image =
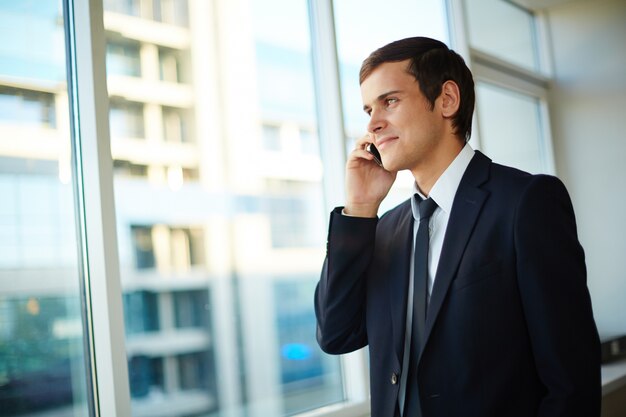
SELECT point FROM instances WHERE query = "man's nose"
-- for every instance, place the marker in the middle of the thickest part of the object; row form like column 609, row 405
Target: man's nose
column 376, row 123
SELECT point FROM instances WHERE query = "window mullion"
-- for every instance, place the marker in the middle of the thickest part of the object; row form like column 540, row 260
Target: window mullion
column 333, row 156
column 96, row 208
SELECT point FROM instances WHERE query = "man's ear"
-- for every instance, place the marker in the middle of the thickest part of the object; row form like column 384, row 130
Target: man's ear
column 450, row 99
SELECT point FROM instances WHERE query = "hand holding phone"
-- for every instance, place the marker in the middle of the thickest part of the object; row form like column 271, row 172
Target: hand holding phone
column 372, row 149
column 366, row 184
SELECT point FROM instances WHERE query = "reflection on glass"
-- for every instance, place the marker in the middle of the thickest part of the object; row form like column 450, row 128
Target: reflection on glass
column 219, row 208
column 378, row 24
column 503, row 29
column 503, row 110
column 42, row 364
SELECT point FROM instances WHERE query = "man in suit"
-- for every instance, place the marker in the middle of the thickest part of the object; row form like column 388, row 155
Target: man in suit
column 495, row 319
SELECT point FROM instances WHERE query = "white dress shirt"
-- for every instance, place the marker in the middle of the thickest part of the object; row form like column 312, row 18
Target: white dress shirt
column 442, row 193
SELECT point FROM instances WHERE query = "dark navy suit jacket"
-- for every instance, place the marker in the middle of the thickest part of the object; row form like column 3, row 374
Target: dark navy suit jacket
column 509, row 330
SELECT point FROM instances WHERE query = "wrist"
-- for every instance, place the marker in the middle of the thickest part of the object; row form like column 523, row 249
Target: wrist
column 361, row 210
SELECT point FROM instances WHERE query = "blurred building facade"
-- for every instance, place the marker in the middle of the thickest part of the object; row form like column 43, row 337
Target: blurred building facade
column 219, row 210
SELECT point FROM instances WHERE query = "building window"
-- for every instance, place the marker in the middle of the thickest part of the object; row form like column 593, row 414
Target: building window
column 172, row 65
column 123, row 59
column 176, row 125
column 129, row 7
column 142, row 312
column 27, row 107
column 271, row 137
column 168, row 248
column 194, row 371
column 192, row 308
column 191, row 174
column 129, row 169
column 145, row 375
column 309, row 141
column 173, row 12
column 144, row 247
column 126, row 119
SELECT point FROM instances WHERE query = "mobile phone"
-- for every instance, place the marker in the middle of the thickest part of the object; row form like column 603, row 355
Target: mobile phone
column 372, row 149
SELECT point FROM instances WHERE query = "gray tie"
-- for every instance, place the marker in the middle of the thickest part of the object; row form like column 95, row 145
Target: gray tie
column 420, row 281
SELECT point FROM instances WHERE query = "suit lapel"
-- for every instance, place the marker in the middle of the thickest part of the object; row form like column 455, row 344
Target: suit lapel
column 466, row 208
column 400, row 253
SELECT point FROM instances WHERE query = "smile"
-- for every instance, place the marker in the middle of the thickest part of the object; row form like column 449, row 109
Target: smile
column 380, row 144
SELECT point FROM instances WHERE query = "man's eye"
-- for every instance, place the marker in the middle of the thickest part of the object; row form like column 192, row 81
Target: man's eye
column 391, row 100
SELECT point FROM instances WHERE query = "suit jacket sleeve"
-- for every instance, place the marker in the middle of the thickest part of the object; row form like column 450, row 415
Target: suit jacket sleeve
column 556, row 302
column 340, row 296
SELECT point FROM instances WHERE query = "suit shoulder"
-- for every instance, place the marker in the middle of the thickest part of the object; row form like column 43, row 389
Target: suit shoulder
column 519, row 180
column 518, row 186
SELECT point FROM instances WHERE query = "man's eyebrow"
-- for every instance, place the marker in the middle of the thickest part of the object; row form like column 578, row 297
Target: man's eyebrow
column 381, row 98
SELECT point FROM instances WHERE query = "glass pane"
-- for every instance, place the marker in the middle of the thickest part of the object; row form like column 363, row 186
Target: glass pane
column 361, row 30
column 42, row 358
column 503, row 110
column 219, row 209
column 504, row 30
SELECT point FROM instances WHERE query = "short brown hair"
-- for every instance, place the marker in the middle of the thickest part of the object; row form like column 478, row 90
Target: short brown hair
column 432, row 64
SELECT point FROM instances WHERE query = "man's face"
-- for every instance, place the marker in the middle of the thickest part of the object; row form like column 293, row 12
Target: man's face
column 403, row 127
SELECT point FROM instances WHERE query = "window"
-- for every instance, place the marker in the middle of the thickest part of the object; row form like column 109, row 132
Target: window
column 123, row 59
column 517, row 114
column 213, row 250
column 511, row 88
column 171, row 65
column 142, row 312
column 192, row 308
column 489, row 17
column 126, row 119
column 216, row 274
column 27, row 107
column 271, row 137
column 309, row 141
column 176, row 125
column 129, row 169
column 194, row 371
column 167, row 248
column 303, row 367
column 146, row 376
column 288, row 219
column 174, row 12
column 44, row 366
column 129, row 7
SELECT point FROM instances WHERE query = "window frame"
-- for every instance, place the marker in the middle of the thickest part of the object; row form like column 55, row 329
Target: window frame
column 92, row 167
column 93, row 184
column 493, row 70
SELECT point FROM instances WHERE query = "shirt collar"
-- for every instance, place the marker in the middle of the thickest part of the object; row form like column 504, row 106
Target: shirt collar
column 445, row 187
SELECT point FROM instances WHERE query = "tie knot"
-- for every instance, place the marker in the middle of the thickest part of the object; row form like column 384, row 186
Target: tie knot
column 426, row 207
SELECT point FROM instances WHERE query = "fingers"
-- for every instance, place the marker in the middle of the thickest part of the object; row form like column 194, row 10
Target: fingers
column 363, row 141
column 359, row 151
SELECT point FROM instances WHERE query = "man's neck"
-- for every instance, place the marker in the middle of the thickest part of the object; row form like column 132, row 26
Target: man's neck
column 427, row 174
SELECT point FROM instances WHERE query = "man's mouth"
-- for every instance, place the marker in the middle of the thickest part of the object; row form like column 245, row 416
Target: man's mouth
column 381, row 143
